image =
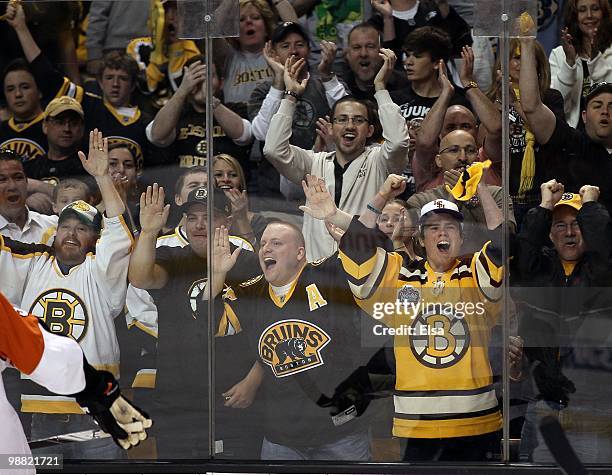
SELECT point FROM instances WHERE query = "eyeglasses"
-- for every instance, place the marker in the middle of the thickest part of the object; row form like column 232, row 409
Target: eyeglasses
column 455, row 150
column 345, row 119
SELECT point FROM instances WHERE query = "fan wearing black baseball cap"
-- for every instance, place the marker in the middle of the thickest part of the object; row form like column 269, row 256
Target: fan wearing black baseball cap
column 290, row 40
column 582, row 157
column 176, row 278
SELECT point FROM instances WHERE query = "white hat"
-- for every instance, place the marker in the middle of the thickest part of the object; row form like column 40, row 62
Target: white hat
column 440, row 206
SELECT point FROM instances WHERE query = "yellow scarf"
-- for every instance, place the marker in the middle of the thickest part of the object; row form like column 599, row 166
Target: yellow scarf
column 528, row 164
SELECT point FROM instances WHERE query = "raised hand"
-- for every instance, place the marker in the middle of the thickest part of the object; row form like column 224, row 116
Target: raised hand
column 445, row 84
column 393, row 186
column 293, row 70
column 328, row 55
column 467, row 68
column 239, row 202
column 385, row 71
column 551, row 191
column 15, row 15
column 153, row 211
column 278, row 69
column 96, row 162
column 589, row 193
column 451, row 177
column 383, row 7
column 320, row 203
column 223, row 258
column 404, row 229
column 568, row 47
column 325, row 139
column 194, row 75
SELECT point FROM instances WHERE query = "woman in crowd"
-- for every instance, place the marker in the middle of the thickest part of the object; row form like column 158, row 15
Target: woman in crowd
column 584, row 56
column 245, row 65
column 229, row 176
column 526, row 164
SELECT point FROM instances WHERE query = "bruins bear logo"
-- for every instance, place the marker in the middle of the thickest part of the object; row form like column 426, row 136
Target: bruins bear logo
column 292, row 348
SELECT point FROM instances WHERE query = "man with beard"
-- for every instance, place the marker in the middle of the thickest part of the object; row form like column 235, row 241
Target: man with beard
column 355, row 170
column 176, row 278
column 77, row 287
column 457, row 152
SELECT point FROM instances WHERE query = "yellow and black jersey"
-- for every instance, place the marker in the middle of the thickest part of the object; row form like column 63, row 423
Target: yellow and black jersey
column 308, row 343
column 126, row 126
column 441, row 326
column 25, row 138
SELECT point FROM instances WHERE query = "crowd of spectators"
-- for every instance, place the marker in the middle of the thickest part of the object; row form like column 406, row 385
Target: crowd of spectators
column 393, row 115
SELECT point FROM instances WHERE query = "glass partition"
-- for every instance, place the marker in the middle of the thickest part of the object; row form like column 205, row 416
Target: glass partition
column 365, row 269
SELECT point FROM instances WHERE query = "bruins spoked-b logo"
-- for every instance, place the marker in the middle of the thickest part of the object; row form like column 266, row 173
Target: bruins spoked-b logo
column 439, row 338
column 195, row 293
column 292, row 346
column 63, row 312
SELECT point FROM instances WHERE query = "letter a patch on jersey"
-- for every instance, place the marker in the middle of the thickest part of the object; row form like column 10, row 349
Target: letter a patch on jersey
column 315, row 299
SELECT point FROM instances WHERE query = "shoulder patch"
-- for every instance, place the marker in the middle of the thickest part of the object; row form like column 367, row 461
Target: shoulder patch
column 252, row 281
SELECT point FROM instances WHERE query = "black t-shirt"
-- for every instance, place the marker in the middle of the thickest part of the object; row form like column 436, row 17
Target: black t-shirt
column 576, row 160
column 189, row 147
column 52, row 171
column 25, row 138
column 413, row 106
column 181, row 392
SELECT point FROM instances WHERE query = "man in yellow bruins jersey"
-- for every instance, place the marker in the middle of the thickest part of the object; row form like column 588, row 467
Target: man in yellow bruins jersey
column 77, row 287
column 440, row 311
column 113, row 112
column 301, row 323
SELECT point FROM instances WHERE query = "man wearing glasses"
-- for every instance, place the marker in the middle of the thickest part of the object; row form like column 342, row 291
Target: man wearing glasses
column 458, row 150
column 582, row 157
column 355, row 171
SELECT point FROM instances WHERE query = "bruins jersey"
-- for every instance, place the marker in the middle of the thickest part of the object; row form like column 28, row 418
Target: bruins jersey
column 308, row 343
column 25, row 138
column 441, row 325
column 118, row 125
column 82, row 303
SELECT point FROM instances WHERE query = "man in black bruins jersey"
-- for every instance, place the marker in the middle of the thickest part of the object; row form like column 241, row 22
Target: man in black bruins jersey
column 176, row 278
column 113, row 112
column 440, row 311
column 301, row 322
column 22, row 132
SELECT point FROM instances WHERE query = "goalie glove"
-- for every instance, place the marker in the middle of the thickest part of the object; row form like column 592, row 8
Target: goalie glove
column 115, row 414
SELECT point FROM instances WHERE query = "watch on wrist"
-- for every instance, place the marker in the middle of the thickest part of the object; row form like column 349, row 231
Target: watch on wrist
column 291, row 93
column 470, row 85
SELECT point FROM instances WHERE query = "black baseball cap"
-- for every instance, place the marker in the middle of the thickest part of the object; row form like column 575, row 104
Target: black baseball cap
column 221, row 203
column 597, row 89
column 284, row 29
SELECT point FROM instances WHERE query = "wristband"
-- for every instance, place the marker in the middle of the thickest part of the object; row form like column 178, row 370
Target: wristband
column 291, row 93
column 374, row 210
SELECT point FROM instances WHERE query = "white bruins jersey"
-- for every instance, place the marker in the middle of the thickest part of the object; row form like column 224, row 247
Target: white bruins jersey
column 82, row 304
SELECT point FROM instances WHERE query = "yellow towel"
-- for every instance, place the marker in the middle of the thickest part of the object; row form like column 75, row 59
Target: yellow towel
column 465, row 188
